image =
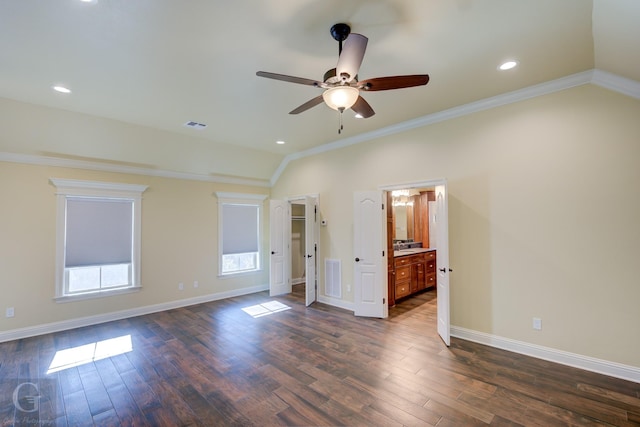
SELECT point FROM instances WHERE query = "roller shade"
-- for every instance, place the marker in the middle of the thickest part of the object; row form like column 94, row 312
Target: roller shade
column 98, row 231
column 240, row 229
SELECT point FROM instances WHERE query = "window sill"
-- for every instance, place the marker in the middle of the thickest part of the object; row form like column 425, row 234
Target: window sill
column 239, row 274
column 96, row 294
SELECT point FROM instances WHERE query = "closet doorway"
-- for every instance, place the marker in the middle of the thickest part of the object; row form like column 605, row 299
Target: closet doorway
column 304, row 246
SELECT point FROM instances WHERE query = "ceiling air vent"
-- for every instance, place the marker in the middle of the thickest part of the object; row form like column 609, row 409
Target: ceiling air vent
column 195, row 125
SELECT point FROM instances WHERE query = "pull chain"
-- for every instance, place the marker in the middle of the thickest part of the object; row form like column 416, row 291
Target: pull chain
column 340, row 127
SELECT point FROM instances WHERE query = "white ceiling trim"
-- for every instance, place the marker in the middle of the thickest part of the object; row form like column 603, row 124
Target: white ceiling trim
column 616, row 83
column 97, row 166
column 601, row 78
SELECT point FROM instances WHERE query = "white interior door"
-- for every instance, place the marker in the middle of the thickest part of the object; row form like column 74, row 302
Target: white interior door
column 311, row 249
column 442, row 261
column 369, row 284
column 280, row 231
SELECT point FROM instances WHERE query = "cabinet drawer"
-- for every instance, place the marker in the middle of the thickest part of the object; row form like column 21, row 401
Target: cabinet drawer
column 403, row 273
column 402, row 290
column 430, row 280
column 405, row 260
column 430, row 256
column 430, row 267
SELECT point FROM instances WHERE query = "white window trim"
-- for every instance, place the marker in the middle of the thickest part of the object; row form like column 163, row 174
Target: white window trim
column 244, row 199
column 73, row 188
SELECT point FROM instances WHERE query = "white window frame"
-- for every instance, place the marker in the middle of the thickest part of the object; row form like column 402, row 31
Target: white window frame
column 256, row 200
column 67, row 188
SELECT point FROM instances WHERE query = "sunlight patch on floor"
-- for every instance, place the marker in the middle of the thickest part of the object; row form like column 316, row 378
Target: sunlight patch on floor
column 76, row 356
column 265, row 309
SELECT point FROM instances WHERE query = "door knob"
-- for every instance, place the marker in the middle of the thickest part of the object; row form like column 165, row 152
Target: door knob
column 273, row 253
column 444, row 270
column 357, row 259
column 309, row 256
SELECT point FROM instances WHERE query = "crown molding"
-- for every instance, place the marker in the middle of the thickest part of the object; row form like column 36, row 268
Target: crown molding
column 97, row 166
column 598, row 77
column 616, row 83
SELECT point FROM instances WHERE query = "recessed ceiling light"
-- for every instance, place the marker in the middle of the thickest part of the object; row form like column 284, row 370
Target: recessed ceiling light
column 61, row 89
column 280, row 142
column 508, row 65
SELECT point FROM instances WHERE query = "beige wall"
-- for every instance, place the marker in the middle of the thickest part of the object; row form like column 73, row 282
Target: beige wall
column 43, row 131
column 544, row 215
column 179, row 244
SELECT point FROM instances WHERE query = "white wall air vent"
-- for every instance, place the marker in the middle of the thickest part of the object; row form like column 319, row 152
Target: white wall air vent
column 195, row 125
column 332, row 278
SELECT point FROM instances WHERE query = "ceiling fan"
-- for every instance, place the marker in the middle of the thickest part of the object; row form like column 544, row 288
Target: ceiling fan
column 341, row 85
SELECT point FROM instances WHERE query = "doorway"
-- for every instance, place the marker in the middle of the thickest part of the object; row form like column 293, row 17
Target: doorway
column 294, row 246
column 371, row 272
column 430, row 203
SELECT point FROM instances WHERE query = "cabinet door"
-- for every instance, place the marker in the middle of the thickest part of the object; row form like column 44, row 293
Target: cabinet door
column 419, row 276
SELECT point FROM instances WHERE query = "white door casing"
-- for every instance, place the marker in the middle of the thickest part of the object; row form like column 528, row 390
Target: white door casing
column 280, row 232
column 369, row 283
column 442, row 261
column 311, row 242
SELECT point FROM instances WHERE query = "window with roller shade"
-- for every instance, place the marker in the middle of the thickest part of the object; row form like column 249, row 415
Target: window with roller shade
column 98, row 238
column 239, row 232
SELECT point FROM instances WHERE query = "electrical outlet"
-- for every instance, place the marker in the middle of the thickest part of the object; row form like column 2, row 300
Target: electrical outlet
column 10, row 312
column 537, row 323
column 195, row 284
column 181, row 286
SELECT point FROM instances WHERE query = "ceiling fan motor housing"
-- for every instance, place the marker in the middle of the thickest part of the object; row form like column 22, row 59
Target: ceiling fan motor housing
column 340, row 32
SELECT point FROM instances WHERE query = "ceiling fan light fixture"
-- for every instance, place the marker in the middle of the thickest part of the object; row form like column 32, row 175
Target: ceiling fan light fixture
column 340, row 98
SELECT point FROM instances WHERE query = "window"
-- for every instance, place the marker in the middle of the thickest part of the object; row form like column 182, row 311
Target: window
column 239, row 225
column 98, row 238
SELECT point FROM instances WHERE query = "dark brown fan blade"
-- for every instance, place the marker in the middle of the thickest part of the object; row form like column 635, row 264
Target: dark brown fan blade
column 363, row 108
column 309, row 104
column 394, row 82
column 290, row 79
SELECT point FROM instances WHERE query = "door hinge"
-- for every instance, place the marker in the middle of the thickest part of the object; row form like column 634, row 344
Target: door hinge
column 382, row 253
column 384, row 301
column 383, row 206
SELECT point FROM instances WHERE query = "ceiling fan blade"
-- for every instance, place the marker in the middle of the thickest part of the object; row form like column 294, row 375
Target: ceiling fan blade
column 309, row 104
column 290, row 79
column 363, row 108
column 351, row 56
column 393, row 82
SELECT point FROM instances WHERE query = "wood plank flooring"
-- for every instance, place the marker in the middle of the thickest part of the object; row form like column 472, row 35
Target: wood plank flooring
column 215, row 365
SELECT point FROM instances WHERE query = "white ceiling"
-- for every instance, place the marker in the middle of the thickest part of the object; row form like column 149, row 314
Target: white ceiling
column 161, row 63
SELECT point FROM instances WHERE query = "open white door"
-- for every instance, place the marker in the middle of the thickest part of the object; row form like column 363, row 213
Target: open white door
column 280, row 230
column 369, row 284
column 311, row 245
column 442, row 261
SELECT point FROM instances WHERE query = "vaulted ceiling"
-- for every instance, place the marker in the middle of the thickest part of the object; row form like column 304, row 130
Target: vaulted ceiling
column 162, row 63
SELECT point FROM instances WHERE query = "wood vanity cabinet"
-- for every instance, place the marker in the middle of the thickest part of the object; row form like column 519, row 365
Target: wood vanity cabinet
column 414, row 273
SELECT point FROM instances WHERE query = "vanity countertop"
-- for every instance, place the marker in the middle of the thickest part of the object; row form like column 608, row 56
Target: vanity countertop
column 411, row 251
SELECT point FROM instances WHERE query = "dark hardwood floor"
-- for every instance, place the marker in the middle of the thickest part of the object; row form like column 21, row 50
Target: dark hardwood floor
column 215, row 365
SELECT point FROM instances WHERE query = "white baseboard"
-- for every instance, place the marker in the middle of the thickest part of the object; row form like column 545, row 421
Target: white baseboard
column 123, row 314
column 612, row 369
